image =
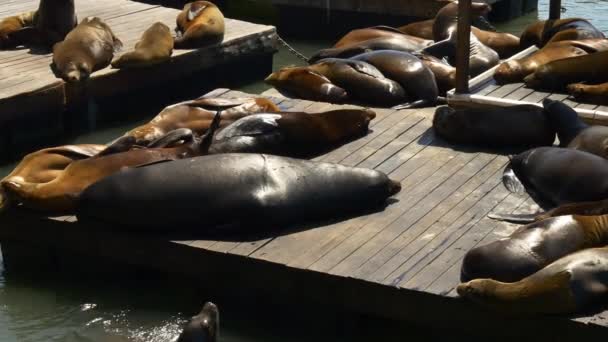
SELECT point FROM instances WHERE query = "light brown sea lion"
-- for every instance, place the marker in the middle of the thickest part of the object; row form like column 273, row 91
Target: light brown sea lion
column 197, row 115
column 547, row 31
column 534, row 246
column 515, row 70
column 204, row 327
column 361, row 80
column 13, row 24
column 292, row 134
column 557, row 75
column 200, row 23
column 590, row 93
column 361, row 35
column 61, row 194
column 521, row 126
column 47, row 164
column 445, row 74
column 422, row 29
column 303, row 83
column 154, row 47
column 571, row 284
column 86, row 49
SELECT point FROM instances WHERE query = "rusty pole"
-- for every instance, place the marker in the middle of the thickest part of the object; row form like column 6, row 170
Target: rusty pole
column 463, row 51
column 555, row 9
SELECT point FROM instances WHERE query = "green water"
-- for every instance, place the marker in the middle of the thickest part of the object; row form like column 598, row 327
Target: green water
column 52, row 308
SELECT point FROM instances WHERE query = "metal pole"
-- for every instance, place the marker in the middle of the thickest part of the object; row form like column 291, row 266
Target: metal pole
column 463, row 51
column 555, row 9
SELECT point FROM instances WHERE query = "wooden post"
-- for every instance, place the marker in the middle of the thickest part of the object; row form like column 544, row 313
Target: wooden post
column 555, row 9
column 462, row 53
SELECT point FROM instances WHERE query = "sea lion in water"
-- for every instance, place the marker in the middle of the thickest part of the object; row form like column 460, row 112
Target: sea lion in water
column 534, row 246
column 571, row 284
column 197, row 115
column 292, row 134
column 361, row 80
column 557, row 75
column 544, row 32
column 12, row 24
column 200, row 24
column 303, row 83
column 409, row 71
column 267, row 191
column 590, row 93
column 204, row 327
column 557, row 176
column 61, row 194
column 445, row 74
column 514, row 126
column 516, row 70
column 361, row 35
column 87, row 48
column 154, row 47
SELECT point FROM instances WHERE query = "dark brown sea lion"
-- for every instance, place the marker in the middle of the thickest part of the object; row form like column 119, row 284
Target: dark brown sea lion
column 267, row 191
column 574, row 283
column 13, row 24
column 204, row 327
column 398, row 43
column 422, row 29
column 303, row 83
column 47, row 164
column 200, row 24
column 547, row 31
column 292, row 134
column 361, row 80
column 197, row 115
column 409, row 71
column 557, row 75
column 62, row 193
column 505, row 44
column 361, row 35
column 53, row 20
column 86, row 49
column 154, row 47
column 534, row 246
column 590, row 93
column 514, row 126
column 516, row 70
column 445, row 74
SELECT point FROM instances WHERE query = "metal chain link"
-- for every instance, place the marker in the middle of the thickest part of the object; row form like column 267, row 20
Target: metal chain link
column 292, row 50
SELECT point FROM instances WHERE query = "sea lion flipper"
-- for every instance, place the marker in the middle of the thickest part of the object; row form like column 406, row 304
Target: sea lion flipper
column 172, row 137
column 195, row 10
column 413, row 104
column 511, row 182
column 441, row 49
column 215, row 103
column 207, row 138
column 121, row 144
column 514, row 218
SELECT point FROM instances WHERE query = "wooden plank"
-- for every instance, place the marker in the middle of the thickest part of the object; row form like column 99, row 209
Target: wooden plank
column 505, row 90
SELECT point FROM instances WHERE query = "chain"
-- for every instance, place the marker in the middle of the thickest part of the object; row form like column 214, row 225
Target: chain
column 292, row 50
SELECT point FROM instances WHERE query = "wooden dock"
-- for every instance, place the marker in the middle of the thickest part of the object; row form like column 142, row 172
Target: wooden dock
column 28, row 87
column 402, row 263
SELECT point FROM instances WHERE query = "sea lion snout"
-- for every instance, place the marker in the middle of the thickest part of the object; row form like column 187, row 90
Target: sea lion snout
column 575, row 89
column 394, row 187
column 508, row 72
column 203, row 327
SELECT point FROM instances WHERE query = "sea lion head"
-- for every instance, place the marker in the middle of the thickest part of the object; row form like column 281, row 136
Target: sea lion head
column 72, row 71
column 394, row 187
column 507, row 72
column 349, row 123
column 203, row 327
column 450, row 123
column 480, row 8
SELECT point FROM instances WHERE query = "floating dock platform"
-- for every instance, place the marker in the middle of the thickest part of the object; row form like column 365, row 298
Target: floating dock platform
column 401, row 263
column 30, row 92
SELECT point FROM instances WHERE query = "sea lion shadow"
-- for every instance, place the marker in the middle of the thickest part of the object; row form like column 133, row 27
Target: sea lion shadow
column 431, row 138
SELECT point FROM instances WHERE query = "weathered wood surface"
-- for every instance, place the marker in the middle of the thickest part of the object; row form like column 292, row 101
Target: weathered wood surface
column 402, row 262
column 27, row 84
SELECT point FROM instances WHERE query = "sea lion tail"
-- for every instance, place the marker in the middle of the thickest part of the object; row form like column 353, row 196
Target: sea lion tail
column 514, row 218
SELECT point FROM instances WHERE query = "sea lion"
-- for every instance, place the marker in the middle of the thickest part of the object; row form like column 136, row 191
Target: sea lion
column 557, row 75
column 398, row 43
column 47, row 164
column 53, row 20
column 292, row 134
column 516, row 70
column 361, row 35
column 303, row 83
column 505, row 44
column 571, row 284
column 514, row 126
column 204, row 327
column 197, row 115
column 87, row 48
column 361, row 80
column 590, row 93
column 445, row 74
column 154, row 47
column 13, row 24
column 424, row 28
column 62, row 193
column 409, row 71
column 544, row 32
column 200, row 24
column 534, row 246
column 267, row 192
column 555, row 176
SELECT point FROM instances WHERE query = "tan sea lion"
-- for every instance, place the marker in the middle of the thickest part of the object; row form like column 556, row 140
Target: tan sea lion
column 197, row 115
column 13, row 24
column 200, row 23
column 361, row 35
column 204, row 327
column 516, row 70
column 154, row 47
column 590, row 93
column 544, row 32
column 303, row 83
column 86, row 49
column 571, row 284
column 557, row 75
